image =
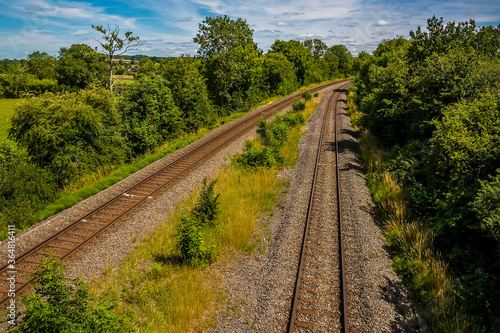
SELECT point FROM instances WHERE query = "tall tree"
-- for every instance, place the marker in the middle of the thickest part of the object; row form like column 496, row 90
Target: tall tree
column 230, row 55
column 344, row 56
column 298, row 55
column 80, row 65
column 42, row 65
column 113, row 45
column 316, row 46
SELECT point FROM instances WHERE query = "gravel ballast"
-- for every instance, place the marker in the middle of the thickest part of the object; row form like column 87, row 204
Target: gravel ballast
column 260, row 286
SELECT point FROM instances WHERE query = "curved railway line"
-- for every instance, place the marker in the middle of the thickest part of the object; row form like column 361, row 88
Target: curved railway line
column 319, row 301
column 76, row 235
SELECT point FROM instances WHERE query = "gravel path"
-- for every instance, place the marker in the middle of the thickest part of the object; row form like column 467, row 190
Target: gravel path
column 260, row 287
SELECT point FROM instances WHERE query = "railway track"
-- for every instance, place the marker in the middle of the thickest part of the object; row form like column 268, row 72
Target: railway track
column 319, row 300
column 76, row 235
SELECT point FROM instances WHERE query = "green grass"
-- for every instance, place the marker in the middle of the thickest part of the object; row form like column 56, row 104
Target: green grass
column 175, row 297
column 6, row 111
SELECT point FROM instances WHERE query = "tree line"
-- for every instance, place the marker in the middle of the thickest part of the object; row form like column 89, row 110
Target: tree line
column 70, row 124
column 433, row 101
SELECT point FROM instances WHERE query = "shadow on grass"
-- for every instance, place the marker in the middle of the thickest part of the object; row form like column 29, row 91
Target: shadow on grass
column 171, row 259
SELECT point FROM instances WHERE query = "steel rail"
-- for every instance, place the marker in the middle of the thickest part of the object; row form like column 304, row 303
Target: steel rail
column 293, row 311
column 224, row 137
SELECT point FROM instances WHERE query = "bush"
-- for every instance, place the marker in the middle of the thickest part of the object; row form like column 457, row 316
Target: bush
column 18, row 85
column 306, row 95
column 69, row 133
column 190, row 242
column 207, row 207
column 298, row 105
column 257, row 157
column 316, row 94
column 23, row 189
column 293, row 119
column 64, row 305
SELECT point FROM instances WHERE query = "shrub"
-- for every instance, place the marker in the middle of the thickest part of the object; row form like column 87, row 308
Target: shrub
column 64, row 305
column 306, row 95
column 23, row 189
column 257, row 157
column 316, row 94
column 207, row 207
column 69, row 133
column 293, row 119
column 298, row 105
column 150, row 116
column 190, row 242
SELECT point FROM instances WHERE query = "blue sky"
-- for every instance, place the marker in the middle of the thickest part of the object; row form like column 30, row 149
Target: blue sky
column 167, row 27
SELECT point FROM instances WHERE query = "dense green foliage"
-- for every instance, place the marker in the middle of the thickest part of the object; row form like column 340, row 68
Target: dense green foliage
column 189, row 91
column 266, row 151
column 62, row 305
column 231, row 61
column 69, row 133
column 207, row 207
column 434, row 101
column 202, row 218
column 149, row 114
column 79, row 65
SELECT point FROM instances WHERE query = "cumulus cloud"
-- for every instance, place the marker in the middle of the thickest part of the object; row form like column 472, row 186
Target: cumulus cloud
column 383, row 23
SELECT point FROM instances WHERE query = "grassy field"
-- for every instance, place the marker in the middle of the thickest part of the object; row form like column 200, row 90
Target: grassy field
column 6, row 111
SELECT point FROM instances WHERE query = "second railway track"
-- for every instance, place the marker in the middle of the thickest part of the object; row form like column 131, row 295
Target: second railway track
column 319, row 300
column 73, row 237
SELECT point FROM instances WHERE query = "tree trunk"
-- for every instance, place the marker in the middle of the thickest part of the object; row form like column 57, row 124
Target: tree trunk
column 111, row 74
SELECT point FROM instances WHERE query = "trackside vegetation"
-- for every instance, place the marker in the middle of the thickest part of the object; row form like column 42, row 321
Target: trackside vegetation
column 430, row 112
column 62, row 305
column 166, row 284
column 72, row 135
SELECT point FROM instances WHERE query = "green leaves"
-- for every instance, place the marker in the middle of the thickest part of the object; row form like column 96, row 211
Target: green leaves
column 230, row 61
column 150, row 116
column 64, row 305
column 189, row 232
column 69, row 133
column 487, row 205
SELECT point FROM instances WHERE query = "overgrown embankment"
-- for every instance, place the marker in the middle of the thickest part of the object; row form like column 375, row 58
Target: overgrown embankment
column 433, row 103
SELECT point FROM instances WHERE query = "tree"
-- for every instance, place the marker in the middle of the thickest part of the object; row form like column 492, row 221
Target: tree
column 64, row 305
column 80, row 65
column 278, row 74
column 316, row 46
column 69, row 133
column 42, row 65
column 344, row 57
column 298, row 55
column 230, row 60
column 149, row 114
column 113, row 45
column 189, row 91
